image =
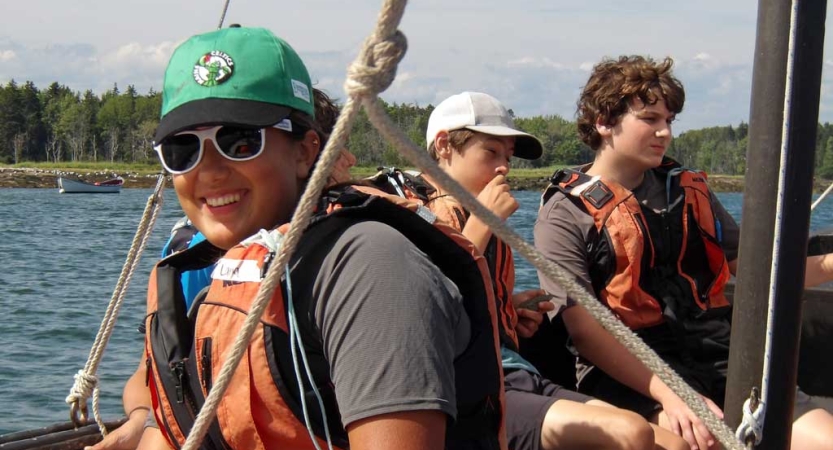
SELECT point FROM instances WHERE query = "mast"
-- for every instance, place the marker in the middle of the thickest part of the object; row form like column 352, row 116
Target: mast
column 771, row 127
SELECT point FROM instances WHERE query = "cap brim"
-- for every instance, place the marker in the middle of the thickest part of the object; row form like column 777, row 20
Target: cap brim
column 220, row 111
column 527, row 146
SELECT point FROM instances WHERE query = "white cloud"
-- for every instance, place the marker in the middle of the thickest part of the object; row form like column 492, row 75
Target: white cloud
column 700, row 62
column 586, row 66
column 529, row 61
column 7, row 55
column 136, row 64
column 535, row 57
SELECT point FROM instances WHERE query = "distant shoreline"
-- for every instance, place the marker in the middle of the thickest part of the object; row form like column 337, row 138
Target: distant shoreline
column 48, row 178
column 520, row 179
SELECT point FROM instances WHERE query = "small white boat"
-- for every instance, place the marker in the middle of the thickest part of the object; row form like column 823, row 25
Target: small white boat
column 71, row 186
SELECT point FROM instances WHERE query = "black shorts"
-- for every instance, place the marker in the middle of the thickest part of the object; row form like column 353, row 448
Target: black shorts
column 600, row 385
column 528, row 398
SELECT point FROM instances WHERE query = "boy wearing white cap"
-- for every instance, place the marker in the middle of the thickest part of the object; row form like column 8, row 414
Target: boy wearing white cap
column 473, row 138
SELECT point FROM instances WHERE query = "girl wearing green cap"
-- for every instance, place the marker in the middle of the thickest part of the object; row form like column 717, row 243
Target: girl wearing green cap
column 387, row 314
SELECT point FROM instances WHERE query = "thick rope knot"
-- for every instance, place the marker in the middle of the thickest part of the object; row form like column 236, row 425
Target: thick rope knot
column 752, row 425
column 83, row 387
column 375, row 70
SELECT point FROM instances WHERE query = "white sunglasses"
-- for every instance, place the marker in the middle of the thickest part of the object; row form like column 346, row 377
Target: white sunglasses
column 183, row 151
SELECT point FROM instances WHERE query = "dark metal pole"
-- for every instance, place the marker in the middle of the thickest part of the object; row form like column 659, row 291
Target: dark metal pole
column 760, row 191
column 803, row 117
column 750, row 306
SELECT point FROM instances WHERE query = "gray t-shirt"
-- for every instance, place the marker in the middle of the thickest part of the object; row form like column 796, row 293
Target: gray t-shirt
column 391, row 324
column 562, row 232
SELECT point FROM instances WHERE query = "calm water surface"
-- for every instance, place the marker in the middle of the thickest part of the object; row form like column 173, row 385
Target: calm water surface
column 61, row 257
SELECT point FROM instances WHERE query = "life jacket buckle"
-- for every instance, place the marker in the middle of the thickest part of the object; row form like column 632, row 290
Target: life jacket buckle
column 597, row 194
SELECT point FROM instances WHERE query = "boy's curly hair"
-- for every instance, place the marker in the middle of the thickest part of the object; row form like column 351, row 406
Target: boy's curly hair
column 615, row 83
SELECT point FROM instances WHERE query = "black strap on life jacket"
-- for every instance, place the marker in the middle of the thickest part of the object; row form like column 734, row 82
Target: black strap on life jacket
column 479, row 409
column 395, row 181
column 173, row 337
column 478, row 390
column 597, row 194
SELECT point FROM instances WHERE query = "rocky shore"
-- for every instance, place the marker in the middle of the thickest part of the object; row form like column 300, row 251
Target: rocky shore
column 41, row 178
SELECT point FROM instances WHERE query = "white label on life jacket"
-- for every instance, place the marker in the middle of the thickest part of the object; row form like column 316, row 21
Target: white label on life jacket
column 426, row 214
column 236, row 270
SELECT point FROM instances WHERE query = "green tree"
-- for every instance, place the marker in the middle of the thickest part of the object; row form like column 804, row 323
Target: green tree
column 826, row 170
column 52, row 99
column 115, row 121
column 73, row 127
column 32, row 129
column 11, row 120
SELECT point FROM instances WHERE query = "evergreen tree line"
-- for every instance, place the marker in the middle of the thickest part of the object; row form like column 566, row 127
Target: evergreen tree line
column 59, row 125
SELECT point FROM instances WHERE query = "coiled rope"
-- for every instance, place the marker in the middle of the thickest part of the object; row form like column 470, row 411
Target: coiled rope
column 86, row 381
column 371, row 73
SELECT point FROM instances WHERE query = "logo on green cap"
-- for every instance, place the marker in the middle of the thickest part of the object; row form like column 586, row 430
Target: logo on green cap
column 213, row 68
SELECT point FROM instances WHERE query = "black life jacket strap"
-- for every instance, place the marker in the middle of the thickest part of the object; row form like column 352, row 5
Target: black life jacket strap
column 395, row 181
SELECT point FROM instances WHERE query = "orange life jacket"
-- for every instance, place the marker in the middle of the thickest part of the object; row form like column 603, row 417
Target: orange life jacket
column 501, row 267
column 262, row 408
column 629, row 279
column 498, row 254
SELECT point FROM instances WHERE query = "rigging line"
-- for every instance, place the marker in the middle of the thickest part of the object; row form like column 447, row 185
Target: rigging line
column 600, row 313
column 752, row 424
column 821, row 197
column 371, row 73
column 86, row 383
column 389, row 17
column 223, row 15
column 779, row 205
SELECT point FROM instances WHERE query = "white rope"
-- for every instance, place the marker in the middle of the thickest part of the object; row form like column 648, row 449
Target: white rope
column 86, row 381
column 751, row 428
column 821, row 197
column 371, row 73
column 554, row 272
column 753, row 423
column 365, row 66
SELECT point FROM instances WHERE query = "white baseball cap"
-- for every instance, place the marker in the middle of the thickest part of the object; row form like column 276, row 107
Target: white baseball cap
column 482, row 113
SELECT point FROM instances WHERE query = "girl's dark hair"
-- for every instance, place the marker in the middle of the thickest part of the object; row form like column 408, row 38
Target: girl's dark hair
column 301, row 123
column 326, row 114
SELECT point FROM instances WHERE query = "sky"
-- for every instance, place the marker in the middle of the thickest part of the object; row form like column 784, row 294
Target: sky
column 533, row 55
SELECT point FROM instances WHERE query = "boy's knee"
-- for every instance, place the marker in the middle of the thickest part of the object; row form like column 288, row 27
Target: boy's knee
column 569, row 425
column 634, row 432
column 813, row 430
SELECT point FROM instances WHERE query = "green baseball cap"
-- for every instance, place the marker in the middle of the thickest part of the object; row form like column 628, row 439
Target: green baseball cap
column 234, row 76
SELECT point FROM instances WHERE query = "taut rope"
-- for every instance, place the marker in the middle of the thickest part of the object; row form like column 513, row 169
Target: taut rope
column 86, row 382
column 223, row 14
column 822, row 197
column 371, row 73
column 751, row 427
column 368, row 63
column 554, row 272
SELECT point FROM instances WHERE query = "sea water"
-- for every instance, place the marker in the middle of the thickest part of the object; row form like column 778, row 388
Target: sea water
column 60, row 259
